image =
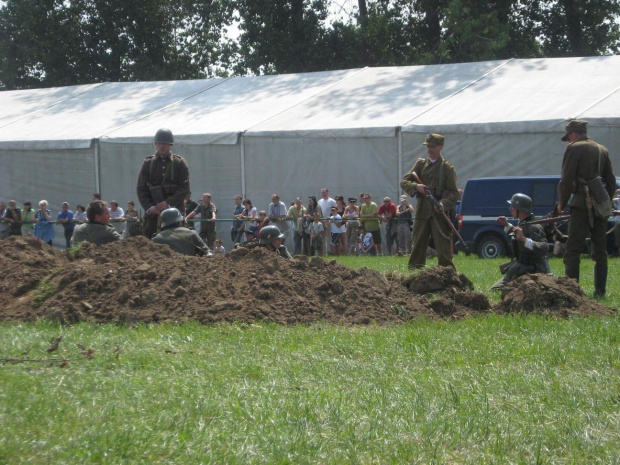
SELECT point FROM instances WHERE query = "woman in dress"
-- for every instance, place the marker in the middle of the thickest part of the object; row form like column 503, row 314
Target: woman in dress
column 44, row 226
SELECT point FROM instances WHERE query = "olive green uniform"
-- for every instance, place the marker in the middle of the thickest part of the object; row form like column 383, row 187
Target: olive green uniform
column 95, row 233
column 182, row 240
column 527, row 260
column 160, row 180
column 440, row 177
column 581, row 163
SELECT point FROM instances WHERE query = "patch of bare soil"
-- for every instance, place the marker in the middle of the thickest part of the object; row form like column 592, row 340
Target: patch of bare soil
column 136, row 280
column 558, row 296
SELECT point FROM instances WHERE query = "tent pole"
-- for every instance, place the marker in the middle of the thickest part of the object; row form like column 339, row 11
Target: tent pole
column 97, row 167
column 399, row 141
column 242, row 154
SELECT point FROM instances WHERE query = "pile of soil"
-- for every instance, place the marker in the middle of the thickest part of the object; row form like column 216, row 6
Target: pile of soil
column 541, row 293
column 136, row 280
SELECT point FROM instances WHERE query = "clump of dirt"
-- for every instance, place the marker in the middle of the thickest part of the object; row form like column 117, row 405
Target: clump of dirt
column 558, row 296
column 136, row 280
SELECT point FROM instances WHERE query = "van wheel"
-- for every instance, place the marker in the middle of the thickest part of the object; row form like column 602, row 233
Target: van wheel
column 491, row 246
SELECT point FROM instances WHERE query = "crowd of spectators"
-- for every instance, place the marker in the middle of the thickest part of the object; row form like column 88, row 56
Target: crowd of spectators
column 318, row 227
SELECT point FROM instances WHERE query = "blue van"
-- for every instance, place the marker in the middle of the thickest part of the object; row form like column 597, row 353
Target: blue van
column 484, row 199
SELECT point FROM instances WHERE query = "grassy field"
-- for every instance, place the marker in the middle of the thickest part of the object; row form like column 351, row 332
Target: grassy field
column 484, row 390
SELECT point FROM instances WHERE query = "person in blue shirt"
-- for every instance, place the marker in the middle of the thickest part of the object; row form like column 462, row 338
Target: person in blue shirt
column 65, row 217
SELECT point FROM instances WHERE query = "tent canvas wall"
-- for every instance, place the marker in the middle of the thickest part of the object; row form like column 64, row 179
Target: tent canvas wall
column 351, row 131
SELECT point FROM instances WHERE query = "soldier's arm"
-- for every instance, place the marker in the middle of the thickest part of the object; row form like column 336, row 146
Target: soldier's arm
column 408, row 184
column 568, row 180
column 608, row 176
column 144, row 194
column 451, row 194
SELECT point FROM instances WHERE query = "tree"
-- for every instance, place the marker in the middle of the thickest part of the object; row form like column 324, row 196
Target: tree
column 55, row 42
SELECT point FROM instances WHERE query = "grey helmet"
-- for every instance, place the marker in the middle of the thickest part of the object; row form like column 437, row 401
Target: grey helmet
column 521, row 202
column 268, row 234
column 170, row 216
column 164, row 136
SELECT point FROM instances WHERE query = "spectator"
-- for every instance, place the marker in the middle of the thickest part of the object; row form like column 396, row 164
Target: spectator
column 96, row 196
column 370, row 220
column 134, row 223
column 340, row 208
column 219, row 248
column 261, row 222
column 207, row 211
column 404, row 212
column 368, row 243
column 28, row 219
column 14, row 217
column 80, row 215
column 352, row 214
column 313, row 207
column 98, row 230
column 387, row 212
column 237, row 228
column 277, row 215
column 117, row 217
column 335, row 222
column 251, row 227
column 65, row 217
column 44, row 227
column 4, row 223
column 326, row 203
column 297, row 212
column 316, row 231
column 190, row 205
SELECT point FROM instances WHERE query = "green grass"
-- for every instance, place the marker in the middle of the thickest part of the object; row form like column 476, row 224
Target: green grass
column 494, row 389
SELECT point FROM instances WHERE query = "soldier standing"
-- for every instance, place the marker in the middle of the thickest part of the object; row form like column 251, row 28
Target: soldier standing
column 584, row 160
column 163, row 182
column 439, row 176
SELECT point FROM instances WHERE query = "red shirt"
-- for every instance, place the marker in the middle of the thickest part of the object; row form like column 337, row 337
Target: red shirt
column 388, row 208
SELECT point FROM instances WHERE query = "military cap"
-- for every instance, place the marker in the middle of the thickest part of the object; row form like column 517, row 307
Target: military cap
column 434, row 139
column 575, row 125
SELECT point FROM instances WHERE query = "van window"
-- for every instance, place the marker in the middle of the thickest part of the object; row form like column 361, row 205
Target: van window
column 544, row 194
column 490, row 197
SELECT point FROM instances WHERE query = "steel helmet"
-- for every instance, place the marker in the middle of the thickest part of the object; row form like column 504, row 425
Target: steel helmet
column 164, row 136
column 170, row 216
column 269, row 234
column 521, row 202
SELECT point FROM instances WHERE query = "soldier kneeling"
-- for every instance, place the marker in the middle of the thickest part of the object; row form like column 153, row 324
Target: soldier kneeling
column 272, row 239
column 179, row 238
column 529, row 242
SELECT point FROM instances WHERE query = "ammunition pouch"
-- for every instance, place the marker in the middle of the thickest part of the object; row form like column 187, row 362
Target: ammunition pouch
column 169, row 189
column 600, row 198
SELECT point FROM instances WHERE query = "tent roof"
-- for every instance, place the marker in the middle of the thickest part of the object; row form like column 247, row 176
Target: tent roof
column 495, row 96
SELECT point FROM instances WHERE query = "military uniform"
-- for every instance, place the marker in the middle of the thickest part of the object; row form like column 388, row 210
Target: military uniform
column 95, row 233
column 527, row 260
column 581, row 164
column 162, row 178
column 440, row 177
column 182, row 240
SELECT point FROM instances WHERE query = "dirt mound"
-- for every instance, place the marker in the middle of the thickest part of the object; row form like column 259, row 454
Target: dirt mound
column 560, row 296
column 136, row 280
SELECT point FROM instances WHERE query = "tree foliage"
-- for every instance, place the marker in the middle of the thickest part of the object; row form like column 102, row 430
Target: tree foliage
column 61, row 42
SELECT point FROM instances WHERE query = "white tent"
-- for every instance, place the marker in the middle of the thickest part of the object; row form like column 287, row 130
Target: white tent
column 351, row 131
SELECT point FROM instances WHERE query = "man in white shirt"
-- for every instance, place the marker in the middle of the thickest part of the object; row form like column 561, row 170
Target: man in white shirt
column 326, row 203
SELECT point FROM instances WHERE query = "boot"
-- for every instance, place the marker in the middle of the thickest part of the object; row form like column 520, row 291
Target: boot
column 571, row 271
column 600, row 279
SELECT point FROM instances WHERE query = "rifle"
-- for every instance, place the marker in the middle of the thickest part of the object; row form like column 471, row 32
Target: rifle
column 556, row 219
column 553, row 219
column 440, row 208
